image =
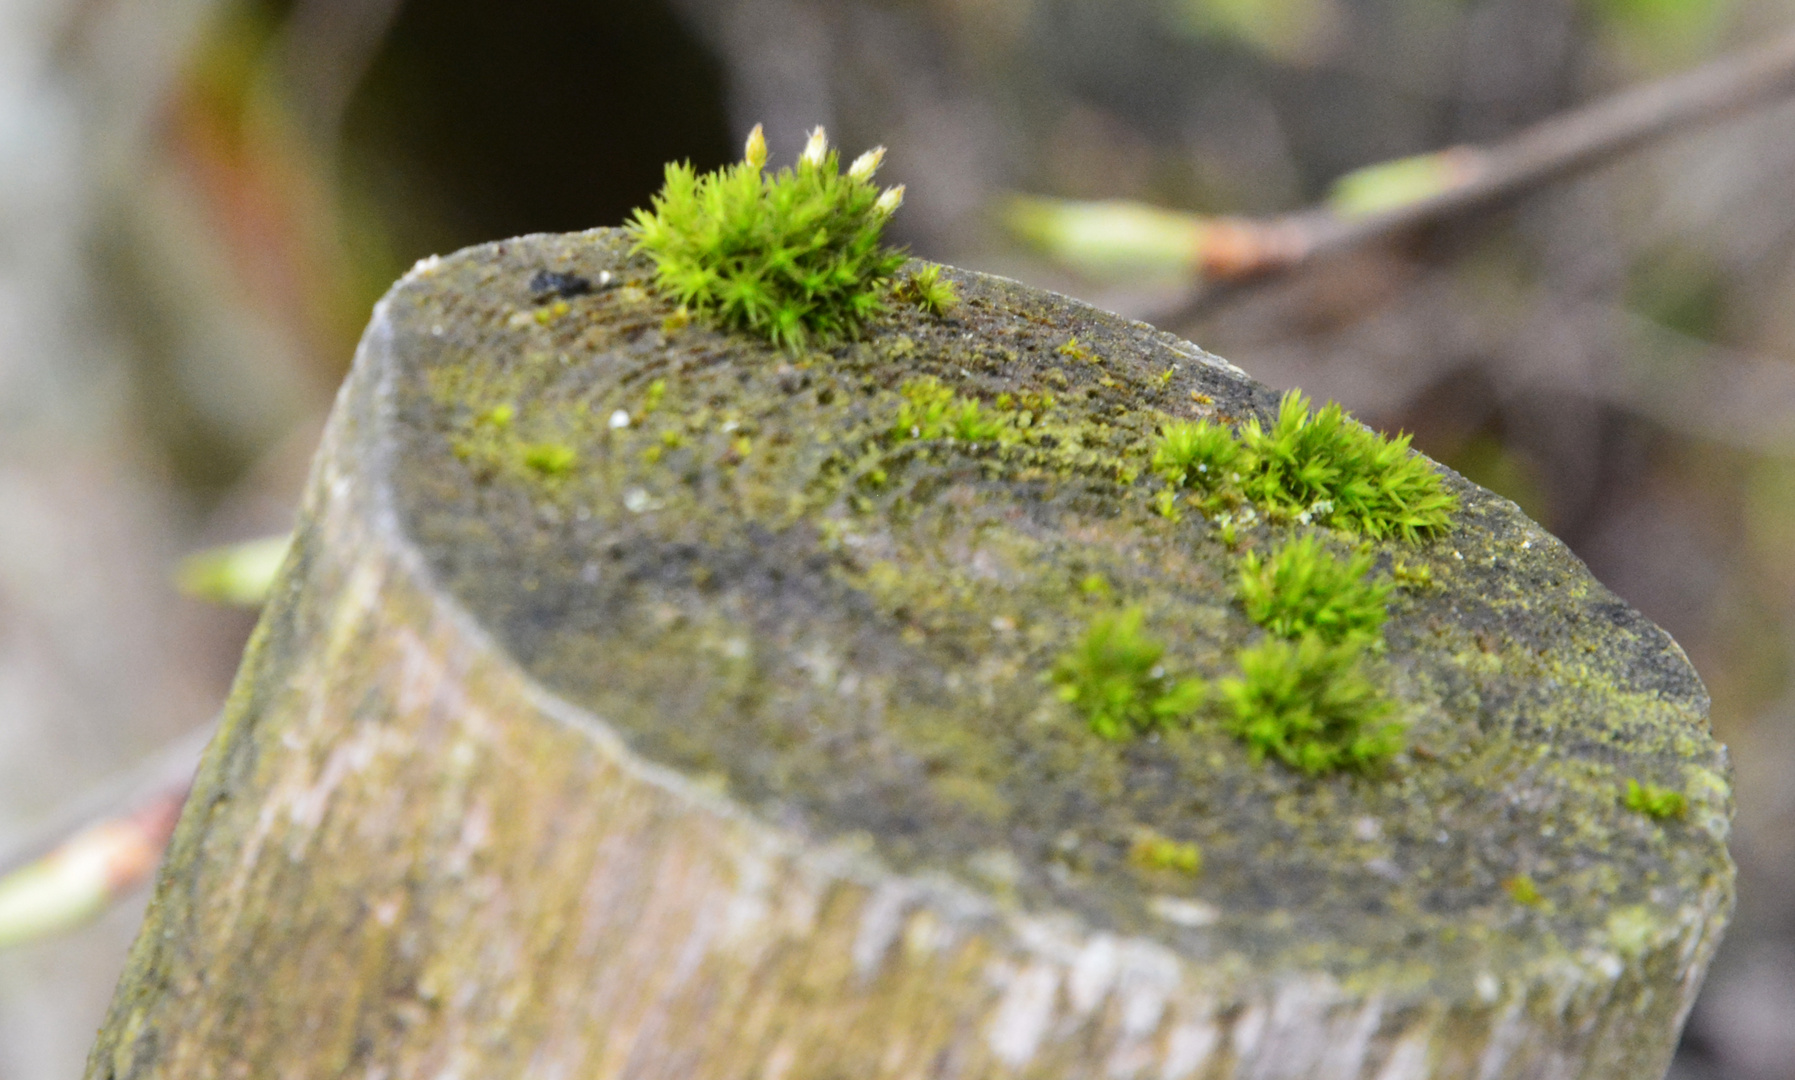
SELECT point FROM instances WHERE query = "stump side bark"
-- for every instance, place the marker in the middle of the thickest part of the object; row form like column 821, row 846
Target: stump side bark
column 416, row 849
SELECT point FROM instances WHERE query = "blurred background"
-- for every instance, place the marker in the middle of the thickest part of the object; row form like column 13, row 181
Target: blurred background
column 201, row 199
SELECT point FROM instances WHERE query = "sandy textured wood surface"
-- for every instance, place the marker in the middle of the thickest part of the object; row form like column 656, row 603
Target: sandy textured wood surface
column 599, row 730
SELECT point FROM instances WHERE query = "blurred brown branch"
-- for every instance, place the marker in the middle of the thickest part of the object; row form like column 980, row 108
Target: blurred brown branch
column 148, row 784
column 1391, row 198
column 97, row 849
column 1564, row 144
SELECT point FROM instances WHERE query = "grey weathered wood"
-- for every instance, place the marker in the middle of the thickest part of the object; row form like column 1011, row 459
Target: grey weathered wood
column 701, row 754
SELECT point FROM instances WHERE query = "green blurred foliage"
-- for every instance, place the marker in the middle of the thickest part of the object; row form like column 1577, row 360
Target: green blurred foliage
column 1110, row 240
column 1290, row 31
column 1658, row 35
column 1388, row 185
column 240, row 575
column 1680, row 288
column 1485, row 460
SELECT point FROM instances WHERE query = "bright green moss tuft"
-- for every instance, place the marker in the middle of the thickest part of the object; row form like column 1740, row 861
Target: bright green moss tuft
column 925, row 289
column 1115, row 677
column 1310, row 705
column 1312, row 466
column 791, row 256
column 1655, row 802
column 932, row 410
column 1306, row 699
column 1198, row 455
column 1369, row 483
column 1302, row 589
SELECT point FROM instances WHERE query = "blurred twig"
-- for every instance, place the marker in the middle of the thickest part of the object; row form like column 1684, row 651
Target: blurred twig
column 73, row 866
column 168, row 769
column 1393, row 197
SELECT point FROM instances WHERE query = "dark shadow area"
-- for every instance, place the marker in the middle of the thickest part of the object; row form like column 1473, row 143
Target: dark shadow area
column 490, row 120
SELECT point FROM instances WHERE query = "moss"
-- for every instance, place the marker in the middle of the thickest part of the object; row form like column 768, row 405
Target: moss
column 1310, row 466
column 1524, row 891
column 1115, row 678
column 1411, row 575
column 792, row 256
column 1307, row 700
column 651, row 401
column 853, row 628
column 550, row 459
column 1199, row 455
column 931, row 410
column 1660, row 804
column 1302, row 589
column 1071, row 349
column 928, row 291
column 1310, row 704
column 1151, row 851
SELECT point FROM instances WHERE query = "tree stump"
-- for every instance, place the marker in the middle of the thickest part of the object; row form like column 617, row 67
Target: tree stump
column 639, row 702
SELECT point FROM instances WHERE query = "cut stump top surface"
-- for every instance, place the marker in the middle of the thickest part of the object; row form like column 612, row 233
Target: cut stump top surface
column 681, row 531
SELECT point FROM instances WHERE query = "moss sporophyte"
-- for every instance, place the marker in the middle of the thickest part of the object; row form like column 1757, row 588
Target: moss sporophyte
column 790, row 256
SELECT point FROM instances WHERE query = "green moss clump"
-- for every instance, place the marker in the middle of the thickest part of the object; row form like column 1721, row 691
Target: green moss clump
column 1197, row 455
column 1309, row 704
column 1312, row 466
column 1151, row 851
column 926, row 290
column 791, row 256
column 931, row 410
column 1115, row 677
column 1658, row 803
column 1301, row 589
column 1306, row 699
